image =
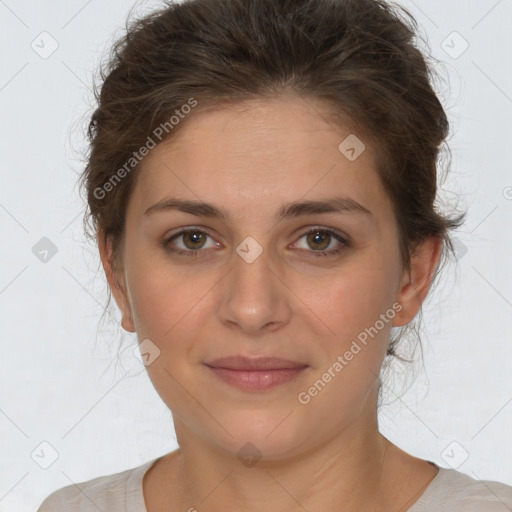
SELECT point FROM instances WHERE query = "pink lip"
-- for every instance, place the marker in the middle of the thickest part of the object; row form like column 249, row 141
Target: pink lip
column 255, row 374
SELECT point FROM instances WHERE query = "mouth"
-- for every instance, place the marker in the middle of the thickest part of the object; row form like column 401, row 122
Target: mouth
column 255, row 374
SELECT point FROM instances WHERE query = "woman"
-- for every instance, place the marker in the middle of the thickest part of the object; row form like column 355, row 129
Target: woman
column 261, row 183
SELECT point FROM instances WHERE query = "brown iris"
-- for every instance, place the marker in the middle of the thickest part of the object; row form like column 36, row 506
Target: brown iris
column 313, row 238
column 196, row 238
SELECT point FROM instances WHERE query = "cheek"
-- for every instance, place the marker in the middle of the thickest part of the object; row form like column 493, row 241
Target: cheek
column 162, row 296
column 354, row 298
column 359, row 310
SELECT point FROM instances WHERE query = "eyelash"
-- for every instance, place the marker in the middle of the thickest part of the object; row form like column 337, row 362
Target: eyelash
column 195, row 253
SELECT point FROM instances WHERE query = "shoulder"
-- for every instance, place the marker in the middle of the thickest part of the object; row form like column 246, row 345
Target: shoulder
column 452, row 490
column 117, row 492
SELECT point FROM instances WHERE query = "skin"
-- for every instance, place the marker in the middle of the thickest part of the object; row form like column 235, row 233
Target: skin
column 251, row 158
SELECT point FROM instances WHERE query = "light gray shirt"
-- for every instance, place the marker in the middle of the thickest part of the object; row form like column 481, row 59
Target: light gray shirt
column 449, row 491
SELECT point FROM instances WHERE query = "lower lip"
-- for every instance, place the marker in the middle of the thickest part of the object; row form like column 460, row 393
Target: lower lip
column 257, row 380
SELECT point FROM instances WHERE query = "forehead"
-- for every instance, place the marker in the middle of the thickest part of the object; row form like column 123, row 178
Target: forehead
column 289, row 121
column 258, row 153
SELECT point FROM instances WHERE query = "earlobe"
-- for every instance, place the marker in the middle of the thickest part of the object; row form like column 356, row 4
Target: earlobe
column 116, row 281
column 415, row 282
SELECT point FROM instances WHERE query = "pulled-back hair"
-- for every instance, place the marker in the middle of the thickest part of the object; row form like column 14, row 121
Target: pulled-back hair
column 359, row 55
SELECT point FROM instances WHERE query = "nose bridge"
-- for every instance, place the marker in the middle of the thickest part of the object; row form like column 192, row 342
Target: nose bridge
column 251, row 274
column 253, row 296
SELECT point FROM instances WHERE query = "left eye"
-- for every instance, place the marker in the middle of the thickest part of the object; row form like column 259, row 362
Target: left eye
column 321, row 239
column 192, row 240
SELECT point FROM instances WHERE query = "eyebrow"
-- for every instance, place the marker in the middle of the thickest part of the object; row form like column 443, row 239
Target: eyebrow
column 296, row 209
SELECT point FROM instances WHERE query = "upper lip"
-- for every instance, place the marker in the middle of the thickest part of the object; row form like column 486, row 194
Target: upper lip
column 254, row 363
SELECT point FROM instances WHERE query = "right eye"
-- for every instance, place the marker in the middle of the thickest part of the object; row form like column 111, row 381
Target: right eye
column 192, row 240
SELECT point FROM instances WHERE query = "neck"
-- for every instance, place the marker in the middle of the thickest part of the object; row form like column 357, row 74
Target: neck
column 346, row 470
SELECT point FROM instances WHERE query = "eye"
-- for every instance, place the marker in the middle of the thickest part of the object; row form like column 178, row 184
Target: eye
column 191, row 241
column 320, row 239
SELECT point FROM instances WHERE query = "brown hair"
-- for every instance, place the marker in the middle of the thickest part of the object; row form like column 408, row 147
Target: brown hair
column 360, row 55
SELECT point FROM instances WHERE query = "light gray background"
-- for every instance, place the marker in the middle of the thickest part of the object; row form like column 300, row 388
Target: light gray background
column 60, row 383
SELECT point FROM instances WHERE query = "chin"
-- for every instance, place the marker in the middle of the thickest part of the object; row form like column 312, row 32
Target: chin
column 264, row 435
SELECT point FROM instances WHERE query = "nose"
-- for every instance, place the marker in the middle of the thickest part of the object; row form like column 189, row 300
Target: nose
column 254, row 296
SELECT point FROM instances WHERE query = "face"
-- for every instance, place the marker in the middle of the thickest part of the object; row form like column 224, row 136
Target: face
column 248, row 278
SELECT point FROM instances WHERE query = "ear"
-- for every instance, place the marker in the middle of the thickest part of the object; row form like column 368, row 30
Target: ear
column 115, row 277
column 415, row 282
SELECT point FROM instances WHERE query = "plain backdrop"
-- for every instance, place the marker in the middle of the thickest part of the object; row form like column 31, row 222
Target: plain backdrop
column 67, row 405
